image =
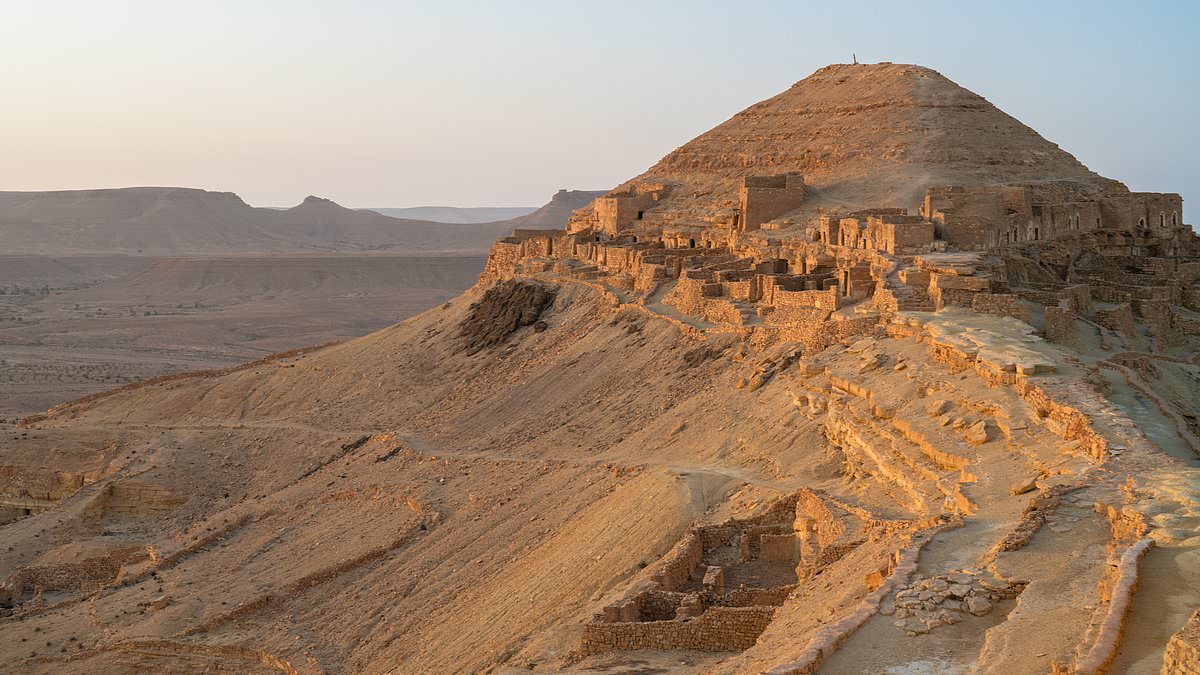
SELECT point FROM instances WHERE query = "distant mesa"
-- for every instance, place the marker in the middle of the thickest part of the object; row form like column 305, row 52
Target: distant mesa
column 458, row 215
column 171, row 221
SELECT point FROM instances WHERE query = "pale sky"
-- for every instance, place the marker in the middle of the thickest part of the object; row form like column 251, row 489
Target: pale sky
column 501, row 103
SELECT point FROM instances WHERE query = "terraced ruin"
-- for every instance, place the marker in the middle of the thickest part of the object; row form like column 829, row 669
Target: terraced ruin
column 870, row 378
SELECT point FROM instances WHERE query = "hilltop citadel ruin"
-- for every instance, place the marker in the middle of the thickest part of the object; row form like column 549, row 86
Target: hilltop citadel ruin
column 869, row 378
column 775, row 254
column 718, row 246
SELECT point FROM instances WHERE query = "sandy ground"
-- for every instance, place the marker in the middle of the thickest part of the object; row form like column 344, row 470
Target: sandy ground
column 405, row 503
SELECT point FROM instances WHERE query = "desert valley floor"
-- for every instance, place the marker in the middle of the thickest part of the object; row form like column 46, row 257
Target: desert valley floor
column 74, row 325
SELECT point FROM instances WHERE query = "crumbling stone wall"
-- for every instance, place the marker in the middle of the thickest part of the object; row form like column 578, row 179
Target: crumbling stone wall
column 1111, row 295
column 814, row 517
column 750, row 597
column 502, row 260
column 784, row 547
column 719, row 629
column 91, row 572
column 647, row 605
column 1119, row 318
column 1183, row 650
column 1060, row 324
column 827, row 299
column 678, row 565
column 617, row 212
column 974, row 217
column 763, row 198
column 1002, row 304
column 955, row 290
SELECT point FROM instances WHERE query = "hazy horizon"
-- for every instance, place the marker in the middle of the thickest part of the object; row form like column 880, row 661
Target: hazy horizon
column 377, row 105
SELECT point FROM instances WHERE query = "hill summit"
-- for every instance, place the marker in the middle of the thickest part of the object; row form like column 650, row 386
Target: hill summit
column 876, row 134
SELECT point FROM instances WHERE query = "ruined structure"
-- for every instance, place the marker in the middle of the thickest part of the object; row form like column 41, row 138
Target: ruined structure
column 870, row 378
column 796, row 243
column 801, row 251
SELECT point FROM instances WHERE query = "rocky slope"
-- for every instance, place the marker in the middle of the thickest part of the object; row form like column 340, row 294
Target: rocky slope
column 404, row 501
column 867, row 135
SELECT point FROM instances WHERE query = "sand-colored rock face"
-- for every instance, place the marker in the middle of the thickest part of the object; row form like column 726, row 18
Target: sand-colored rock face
column 835, row 442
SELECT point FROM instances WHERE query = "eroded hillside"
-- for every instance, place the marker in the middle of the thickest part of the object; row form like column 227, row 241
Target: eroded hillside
column 765, row 438
column 471, row 510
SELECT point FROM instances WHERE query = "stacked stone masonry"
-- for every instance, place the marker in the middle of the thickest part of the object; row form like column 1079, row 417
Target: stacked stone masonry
column 1183, row 650
column 688, row 603
column 776, row 268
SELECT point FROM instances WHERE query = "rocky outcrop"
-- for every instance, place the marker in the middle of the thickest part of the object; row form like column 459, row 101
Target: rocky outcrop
column 503, row 309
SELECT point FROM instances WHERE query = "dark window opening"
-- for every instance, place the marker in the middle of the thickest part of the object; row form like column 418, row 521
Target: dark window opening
column 691, row 243
column 1036, row 234
column 640, row 214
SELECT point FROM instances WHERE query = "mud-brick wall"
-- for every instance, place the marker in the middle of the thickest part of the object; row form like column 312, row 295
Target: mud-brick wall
column 1183, row 650
column 720, row 629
